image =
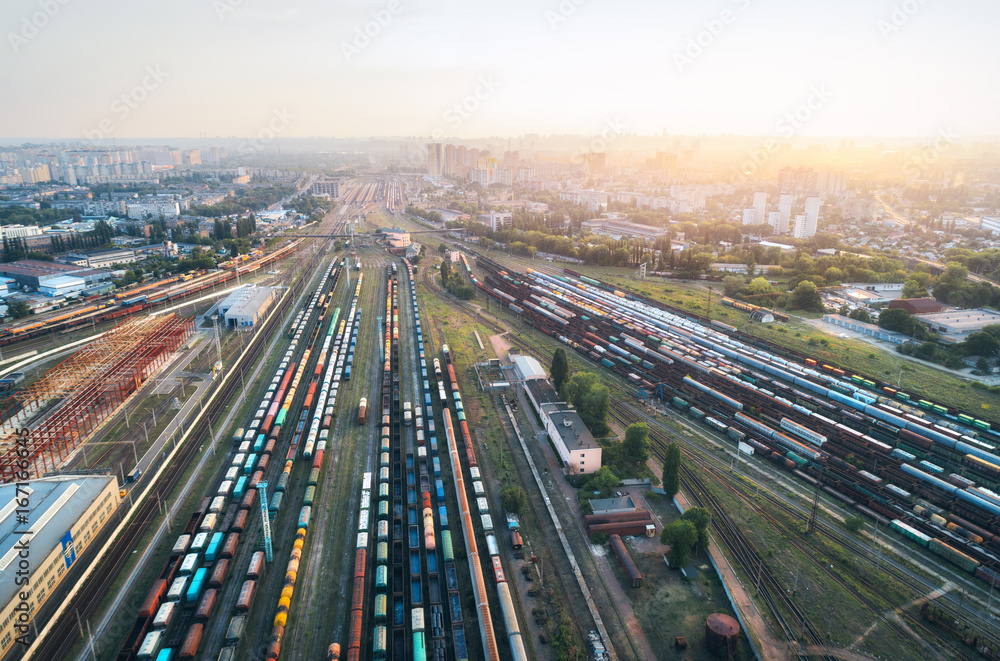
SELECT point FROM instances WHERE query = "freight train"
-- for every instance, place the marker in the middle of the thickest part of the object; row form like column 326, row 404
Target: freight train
column 172, row 618
column 806, row 416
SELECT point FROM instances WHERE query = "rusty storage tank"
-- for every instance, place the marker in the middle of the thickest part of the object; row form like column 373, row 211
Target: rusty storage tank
column 722, row 632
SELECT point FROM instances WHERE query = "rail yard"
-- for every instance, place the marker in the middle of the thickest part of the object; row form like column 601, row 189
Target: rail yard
column 337, row 504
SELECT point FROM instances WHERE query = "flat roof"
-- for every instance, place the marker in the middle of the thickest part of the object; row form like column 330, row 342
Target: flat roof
column 54, row 505
column 245, row 301
column 529, row 368
column 572, row 430
column 610, row 505
column 33, row 267
column 962, row 320
column 64, row 281
column 542, row 391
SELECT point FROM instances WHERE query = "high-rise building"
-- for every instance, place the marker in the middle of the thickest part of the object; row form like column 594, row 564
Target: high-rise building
column 595, row 163
column 500, row 219
column 774, row 220
column 799, row 229
column 784, row 212
column 759, row 204
column 434, row 159
column 748, row 216
column 812, row 214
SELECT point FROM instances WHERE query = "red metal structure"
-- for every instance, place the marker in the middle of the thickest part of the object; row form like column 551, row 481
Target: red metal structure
column 91, row 385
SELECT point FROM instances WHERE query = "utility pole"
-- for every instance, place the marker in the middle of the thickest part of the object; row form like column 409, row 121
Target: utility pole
column 815, row 510
column 709, row 311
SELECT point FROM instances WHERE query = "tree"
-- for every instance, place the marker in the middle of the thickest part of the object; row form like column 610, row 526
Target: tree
column 604, row 480
column 981, row 344
column 636, row 443
column 18, row 309
column 445, row 272
column 700, row 517
column 759, row 287
column 672, row 470
column 983, row 364
column 681, row 536
column 913, row 289
column 591, row 400
column 731, row 285
column 806, row 296
column 860, row 314
column 559, row 368
column 896, row 319
column 513, row 499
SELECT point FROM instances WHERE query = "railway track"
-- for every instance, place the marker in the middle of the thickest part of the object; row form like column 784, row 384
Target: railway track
column 619, row 623
column 63, row 636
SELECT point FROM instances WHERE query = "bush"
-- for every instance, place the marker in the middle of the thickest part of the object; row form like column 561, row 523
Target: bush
column 854, row 523
column 599, row 538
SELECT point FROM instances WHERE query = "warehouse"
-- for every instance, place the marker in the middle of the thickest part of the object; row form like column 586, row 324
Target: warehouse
column 246, row 307
column 957, row 325
column 527, row 368
column 31, row 273
column 66, row 285
column 64, row 515
column 918, row 305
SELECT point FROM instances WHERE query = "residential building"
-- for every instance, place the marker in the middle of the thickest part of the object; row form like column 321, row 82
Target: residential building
column 759, row 205
column 397, row 238
column 618, row 228
column 501, row 219
column 990, row 224
column 330, row 187
column 64, row 514
column 784, row 213
column 19, row 231
column 434, row 159
column 153, row 209
column 748, row 216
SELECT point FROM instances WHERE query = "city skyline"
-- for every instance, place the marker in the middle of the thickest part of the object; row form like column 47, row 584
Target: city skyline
column 232, row 68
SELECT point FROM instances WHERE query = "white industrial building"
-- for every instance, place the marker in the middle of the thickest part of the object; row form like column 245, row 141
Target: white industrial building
column 65, row 285
column 64, row 514
column 246, row 307
column 574, row 443
column 528, row 368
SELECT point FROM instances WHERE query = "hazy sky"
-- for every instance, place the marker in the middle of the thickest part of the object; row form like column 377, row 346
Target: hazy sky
column 181, row 68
